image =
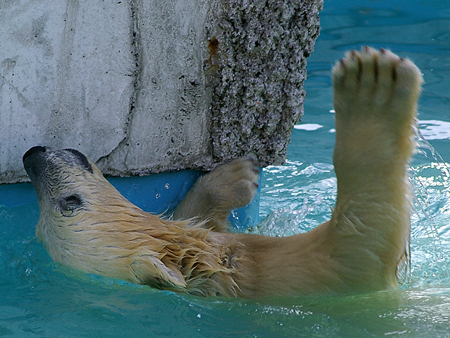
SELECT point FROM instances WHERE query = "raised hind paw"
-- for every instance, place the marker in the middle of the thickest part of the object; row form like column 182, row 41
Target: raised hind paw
column 375, row 99
column 376, row 84
column 229, row 186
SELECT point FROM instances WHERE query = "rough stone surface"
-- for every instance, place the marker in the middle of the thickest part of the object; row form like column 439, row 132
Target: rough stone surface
column 258, row 94
column 150, row 86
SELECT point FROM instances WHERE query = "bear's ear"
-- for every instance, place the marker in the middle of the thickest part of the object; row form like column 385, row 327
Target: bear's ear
column 152, row 271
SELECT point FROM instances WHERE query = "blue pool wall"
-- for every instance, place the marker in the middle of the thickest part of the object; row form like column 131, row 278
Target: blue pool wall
column 157, row 193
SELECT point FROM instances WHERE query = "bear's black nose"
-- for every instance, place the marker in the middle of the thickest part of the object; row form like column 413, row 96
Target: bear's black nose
column 34, row 150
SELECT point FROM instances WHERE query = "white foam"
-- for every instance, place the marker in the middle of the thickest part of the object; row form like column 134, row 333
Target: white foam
column 434, row 129
column 308, row 126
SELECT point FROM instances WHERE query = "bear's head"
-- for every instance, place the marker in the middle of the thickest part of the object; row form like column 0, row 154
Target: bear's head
column 84, row 222
column 67, row 184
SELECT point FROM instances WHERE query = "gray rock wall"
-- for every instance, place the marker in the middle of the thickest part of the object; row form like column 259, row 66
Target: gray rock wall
column 258, row 94
column 147, row 86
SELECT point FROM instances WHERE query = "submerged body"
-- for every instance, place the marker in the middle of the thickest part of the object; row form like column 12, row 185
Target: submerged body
column 85, row 222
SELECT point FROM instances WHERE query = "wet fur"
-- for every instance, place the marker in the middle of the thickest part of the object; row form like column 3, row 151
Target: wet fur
column 359, row 249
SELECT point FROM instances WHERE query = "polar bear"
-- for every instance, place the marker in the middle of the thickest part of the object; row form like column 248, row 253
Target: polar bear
column 85, row 222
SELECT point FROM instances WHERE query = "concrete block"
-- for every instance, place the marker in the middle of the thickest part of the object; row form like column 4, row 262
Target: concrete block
column 169, row 117
column 149, row 86
column 67, row 76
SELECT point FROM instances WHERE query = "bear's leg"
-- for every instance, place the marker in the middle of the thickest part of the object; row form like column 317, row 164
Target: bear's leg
column 213, row 196
column 375, row 99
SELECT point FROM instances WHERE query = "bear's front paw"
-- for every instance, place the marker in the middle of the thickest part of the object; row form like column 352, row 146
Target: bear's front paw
column 229, row 186
column 232, row 185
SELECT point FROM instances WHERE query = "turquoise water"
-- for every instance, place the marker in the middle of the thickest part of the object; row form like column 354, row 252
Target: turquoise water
column 41, row 299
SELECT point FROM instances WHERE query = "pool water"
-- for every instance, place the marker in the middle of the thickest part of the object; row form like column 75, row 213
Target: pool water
column 41, row 299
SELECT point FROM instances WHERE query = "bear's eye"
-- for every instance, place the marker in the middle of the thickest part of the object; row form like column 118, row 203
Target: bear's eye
column 68, row 204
